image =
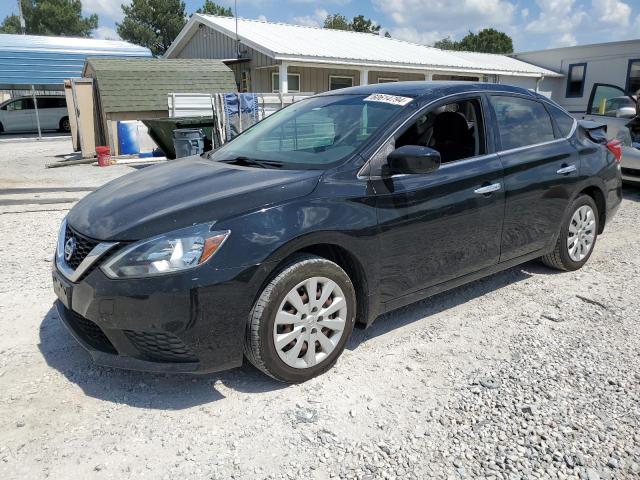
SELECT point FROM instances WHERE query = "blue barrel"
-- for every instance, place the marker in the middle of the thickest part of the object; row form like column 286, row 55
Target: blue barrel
column 128, row 139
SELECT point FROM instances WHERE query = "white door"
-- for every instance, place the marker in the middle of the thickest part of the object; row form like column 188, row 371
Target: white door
column 19, row 116
column 51, row 110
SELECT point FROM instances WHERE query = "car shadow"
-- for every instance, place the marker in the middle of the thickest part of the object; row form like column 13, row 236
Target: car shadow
column 141, row 389
column 445, row 301
column 631, row 192
column 180, row 391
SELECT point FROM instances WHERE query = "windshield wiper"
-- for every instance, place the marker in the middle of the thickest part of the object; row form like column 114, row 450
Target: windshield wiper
column 246, row 161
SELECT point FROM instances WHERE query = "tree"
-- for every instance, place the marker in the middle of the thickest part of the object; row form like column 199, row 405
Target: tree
column 358, row 24
column 488, row 40
column 10, row 24
column 52, row 17
column 361, row 24
column 337, row 22
column 447, row 44
column 152, row 23
column 212, row 8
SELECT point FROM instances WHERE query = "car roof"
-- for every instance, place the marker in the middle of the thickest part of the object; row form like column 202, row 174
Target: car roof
column 431, row 88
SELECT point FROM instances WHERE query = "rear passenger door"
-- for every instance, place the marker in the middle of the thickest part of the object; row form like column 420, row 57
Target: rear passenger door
column 540, row 172
column 50, row 112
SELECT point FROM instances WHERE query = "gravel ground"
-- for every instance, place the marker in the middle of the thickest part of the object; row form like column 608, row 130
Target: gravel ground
column 526, row 374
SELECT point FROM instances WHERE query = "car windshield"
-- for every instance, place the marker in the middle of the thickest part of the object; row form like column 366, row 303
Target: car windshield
column 312, row 134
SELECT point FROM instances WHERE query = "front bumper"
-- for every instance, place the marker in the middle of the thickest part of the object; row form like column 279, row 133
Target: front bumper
column 193, row 322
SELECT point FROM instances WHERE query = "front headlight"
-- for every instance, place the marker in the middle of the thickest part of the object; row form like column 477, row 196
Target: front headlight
column 172, row 252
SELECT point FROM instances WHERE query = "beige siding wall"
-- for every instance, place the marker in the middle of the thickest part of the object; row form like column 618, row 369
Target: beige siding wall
column 207, row 43
column 313, row 80
column 316, row 80
column 400, row 76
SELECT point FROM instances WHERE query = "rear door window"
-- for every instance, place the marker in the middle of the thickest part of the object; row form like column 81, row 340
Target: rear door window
column 521, row 122
column 51, row 102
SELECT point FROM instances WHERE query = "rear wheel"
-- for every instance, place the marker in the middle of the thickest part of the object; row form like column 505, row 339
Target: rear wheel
column 302, row 320
column 577, row 237
column 65, row 125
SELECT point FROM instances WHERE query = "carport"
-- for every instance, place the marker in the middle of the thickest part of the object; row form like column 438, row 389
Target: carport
column 38, row 64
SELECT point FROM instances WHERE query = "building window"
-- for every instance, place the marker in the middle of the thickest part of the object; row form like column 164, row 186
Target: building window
column 456, row 78
column 292, row 78
column 387, row 80
column 633, row 77
column 575, row 80
column 336, row 82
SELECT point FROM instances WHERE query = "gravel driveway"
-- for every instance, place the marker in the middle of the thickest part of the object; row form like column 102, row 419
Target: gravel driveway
column 526, row 374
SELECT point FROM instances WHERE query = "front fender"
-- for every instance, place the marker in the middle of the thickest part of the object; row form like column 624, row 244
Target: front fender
column 339, row 214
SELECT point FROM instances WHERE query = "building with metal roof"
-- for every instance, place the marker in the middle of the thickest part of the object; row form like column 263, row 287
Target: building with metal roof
column 269, row 57
column 587, row 66
column 45, row 62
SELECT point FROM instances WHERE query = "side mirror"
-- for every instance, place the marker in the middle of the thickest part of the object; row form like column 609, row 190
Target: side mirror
column 413, row 159
column 626, row 112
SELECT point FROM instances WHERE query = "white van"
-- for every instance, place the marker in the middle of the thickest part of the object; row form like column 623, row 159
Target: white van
column 19, row 114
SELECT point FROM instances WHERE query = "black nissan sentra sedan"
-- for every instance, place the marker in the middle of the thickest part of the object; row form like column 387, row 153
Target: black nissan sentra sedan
column 329, row 212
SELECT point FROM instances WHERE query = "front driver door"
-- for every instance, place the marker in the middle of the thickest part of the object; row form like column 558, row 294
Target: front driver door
column 20, row 116
column 445, row 224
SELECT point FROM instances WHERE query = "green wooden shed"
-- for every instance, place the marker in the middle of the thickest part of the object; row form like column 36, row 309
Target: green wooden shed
column 138, row 88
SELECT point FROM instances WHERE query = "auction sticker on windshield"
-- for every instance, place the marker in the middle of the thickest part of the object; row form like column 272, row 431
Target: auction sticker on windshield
column 392, row 99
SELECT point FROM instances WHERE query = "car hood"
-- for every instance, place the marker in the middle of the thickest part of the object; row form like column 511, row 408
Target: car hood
column 177, row 194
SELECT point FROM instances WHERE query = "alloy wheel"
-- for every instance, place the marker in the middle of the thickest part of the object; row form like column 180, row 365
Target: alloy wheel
column 581, row 233
column 310, row 322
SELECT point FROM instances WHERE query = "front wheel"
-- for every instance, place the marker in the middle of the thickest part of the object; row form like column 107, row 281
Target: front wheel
column 577, row 237
column 302, row 320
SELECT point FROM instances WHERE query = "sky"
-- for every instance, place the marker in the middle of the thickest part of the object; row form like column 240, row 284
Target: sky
column 532, row 24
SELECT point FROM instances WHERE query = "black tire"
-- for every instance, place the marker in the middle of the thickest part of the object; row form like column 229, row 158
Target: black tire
column 65, row 125
column 559, row 258
column 260, row 348
column 1, row 128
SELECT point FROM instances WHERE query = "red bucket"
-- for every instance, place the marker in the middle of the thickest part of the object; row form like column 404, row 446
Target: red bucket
column 104, row 156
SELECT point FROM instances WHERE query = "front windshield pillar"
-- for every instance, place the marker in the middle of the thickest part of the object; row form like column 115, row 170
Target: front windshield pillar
column 283, row 73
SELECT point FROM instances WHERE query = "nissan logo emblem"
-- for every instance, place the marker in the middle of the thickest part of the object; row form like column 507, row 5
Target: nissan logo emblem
column 69, row 248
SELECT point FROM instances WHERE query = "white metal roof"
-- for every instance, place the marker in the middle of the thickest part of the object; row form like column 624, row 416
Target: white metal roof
column 296, row 43
column 41, row 43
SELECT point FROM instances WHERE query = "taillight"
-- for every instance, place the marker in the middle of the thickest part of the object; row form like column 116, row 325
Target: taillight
column 615, row 147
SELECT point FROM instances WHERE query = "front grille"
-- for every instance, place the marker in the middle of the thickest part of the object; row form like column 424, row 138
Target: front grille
column 630, row 172
column 160, row 346
column 90, row 332
column 84, row 245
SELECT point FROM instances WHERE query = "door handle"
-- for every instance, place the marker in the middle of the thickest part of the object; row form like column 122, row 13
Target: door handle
column 494, row 187
column 566, row 170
